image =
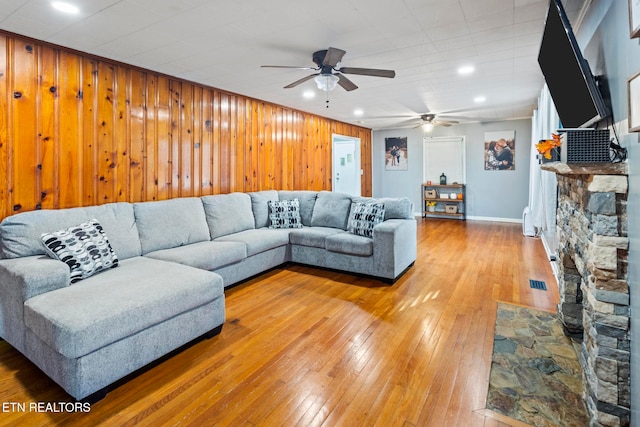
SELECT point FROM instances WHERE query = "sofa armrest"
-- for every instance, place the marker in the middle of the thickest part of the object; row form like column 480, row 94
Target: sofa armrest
column 21, row 279
column 394, row 246
column 26, row 277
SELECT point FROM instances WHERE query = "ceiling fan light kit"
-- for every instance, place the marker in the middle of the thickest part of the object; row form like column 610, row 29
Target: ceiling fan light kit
column 326, row 82
column 326, row 79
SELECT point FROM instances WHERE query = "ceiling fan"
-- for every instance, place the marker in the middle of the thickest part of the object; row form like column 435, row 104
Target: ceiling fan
column 429, row 121
column 326, row 79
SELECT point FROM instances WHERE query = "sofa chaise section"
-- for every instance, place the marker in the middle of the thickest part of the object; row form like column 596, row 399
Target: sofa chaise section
column 89, row 334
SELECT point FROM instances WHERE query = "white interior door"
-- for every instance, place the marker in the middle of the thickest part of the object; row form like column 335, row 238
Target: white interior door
column 346, row 165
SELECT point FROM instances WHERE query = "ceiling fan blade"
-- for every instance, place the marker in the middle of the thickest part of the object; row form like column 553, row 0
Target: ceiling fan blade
column 446, row 123
column 289, row 66
column 368, row 72
column 333, row 56
column 346, row 84
column 302, row 80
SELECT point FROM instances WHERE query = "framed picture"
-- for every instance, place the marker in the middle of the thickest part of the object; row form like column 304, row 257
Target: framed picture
column 633, row 93
column 634, row 18
column 396, row 157
column 500, row 150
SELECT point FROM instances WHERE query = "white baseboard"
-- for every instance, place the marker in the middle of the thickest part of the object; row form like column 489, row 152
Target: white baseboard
column 495, row 219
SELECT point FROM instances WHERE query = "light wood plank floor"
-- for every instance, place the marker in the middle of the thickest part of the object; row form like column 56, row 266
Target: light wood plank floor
column 309, row 347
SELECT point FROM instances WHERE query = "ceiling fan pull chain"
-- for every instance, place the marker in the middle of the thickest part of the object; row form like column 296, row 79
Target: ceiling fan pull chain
column 327, row 99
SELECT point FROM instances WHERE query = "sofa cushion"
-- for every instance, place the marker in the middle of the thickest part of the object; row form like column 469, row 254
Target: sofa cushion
column 20, row 233
column 260, row 206
column 363, row 217
column 205, row 255
column 105, row 308
column 84, row 248
column 349, row 244
column 258, row 240
column 312, row 236
column 284, row 214
column 228, row 213
column 331, row 210
column 170, row 223
column 307, row 201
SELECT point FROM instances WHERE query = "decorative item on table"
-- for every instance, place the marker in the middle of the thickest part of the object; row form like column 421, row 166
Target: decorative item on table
column 443, row 179
column 549, row 148
column 451, row 208
column 459, row 196
column 431, row 205
column 453, row 196
column 430, row 194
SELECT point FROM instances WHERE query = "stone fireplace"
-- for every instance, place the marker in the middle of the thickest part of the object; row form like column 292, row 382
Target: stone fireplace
column 592, row 279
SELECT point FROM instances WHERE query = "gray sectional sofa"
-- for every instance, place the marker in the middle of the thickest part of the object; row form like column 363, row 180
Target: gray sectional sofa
column 174, row 260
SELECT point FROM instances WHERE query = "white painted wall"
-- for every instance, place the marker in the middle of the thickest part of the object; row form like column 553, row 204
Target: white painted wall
column 491, row 195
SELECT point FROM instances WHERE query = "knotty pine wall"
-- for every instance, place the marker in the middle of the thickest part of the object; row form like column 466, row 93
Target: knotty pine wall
column 77, row 130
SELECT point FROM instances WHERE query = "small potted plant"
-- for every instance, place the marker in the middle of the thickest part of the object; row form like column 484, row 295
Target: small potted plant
column 431, row 205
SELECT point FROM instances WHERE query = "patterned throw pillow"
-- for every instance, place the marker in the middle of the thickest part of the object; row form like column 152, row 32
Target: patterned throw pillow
column 284, row 214
column 84, row 248
column 363, row 217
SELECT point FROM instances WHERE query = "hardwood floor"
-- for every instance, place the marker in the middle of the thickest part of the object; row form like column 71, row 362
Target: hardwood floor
column 309, row 347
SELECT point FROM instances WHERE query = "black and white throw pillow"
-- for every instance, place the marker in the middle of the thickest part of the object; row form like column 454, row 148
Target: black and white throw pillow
column 363, row 217
column 84, row 248
column 284, row 214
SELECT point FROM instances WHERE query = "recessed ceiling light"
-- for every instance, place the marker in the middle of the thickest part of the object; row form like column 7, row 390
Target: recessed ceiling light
column 466, row 69
column 65, row 7
column 479, row 99
column 308, row 94
column 358, row 112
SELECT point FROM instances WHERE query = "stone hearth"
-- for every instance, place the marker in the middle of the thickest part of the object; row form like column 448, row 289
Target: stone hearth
column 593, row 282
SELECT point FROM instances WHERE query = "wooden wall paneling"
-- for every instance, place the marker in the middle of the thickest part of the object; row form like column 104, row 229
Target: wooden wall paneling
column 163, row 138
column 225, row 157
column 84, row 131
column 151, row 113
column 174, row 137
column 215, row 142
column 107, row 123
column 5, row 141
column 249, row 129
column 286, row 156
column 69, row 130
column 198, row 123
column 121, row 156
column 47, row 169
column 90, row 131
column 24, row 127
column 186, row 141
column 206, row 142
column 134, row 161
column 256, row 143
column 235, row 166
column 260, row 144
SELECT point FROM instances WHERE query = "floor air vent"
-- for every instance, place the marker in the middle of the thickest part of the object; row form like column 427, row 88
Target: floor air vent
column 537, row 284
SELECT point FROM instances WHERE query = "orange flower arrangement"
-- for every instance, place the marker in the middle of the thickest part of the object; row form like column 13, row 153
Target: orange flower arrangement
column 546, row 145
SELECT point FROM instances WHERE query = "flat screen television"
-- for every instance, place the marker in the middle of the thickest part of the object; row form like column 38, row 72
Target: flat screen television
column 573, row 88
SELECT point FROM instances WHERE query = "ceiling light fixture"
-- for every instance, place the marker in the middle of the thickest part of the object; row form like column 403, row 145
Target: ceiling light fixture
column 358, row 112
column 427, row 127
column 308, row 94
column 479, row 99
column 465, row 70
column 326, row 82
column 65, row 7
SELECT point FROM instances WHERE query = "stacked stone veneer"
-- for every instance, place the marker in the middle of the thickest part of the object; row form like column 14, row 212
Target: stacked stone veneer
column 594, row 291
